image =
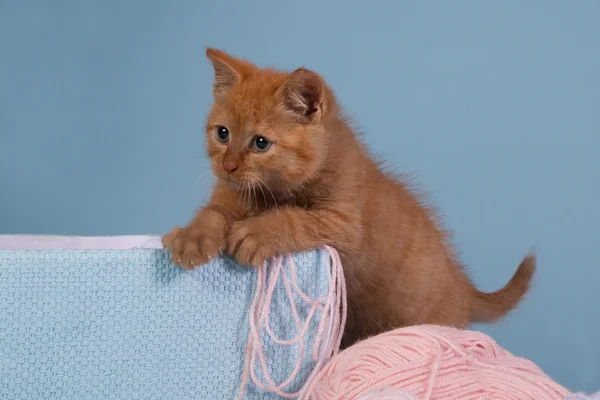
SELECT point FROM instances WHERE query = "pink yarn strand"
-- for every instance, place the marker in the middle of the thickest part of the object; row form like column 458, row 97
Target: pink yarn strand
column 329, row 334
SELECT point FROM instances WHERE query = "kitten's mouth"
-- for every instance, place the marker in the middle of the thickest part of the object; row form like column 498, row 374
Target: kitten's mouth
column 239, row 185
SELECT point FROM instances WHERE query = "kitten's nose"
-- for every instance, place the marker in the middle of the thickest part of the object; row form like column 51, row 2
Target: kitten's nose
column 229, row 166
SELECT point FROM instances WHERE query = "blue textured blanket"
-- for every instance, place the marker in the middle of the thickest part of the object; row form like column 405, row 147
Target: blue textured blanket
column 126, row 324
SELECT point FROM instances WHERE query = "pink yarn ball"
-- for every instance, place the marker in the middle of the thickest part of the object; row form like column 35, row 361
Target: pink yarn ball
column 388, row 393
column 433, row 363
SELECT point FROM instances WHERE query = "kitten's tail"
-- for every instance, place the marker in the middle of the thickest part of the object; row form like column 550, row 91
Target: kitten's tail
column 488, row 307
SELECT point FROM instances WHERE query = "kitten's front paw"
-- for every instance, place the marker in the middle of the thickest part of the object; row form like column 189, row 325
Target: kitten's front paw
column 248, row 243
column 191, row 247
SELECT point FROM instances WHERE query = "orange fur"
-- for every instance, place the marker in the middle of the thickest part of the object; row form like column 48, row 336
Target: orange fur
column 315, row 185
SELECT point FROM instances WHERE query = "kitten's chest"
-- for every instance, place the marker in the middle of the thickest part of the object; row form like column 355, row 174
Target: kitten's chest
column 300, row 201
column 264, row 203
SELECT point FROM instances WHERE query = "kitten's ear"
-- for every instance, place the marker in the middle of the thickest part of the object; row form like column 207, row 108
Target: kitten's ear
column 303, row 94
column 228, row 70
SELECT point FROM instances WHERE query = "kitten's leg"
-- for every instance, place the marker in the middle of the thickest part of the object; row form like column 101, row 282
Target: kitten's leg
column 204, row 237
column 291, row 229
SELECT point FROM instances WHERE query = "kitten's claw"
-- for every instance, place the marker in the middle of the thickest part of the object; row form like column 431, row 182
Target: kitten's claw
column 190, row 248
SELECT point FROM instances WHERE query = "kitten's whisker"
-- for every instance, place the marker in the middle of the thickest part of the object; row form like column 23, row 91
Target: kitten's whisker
column 272, row 195
column 264, row 197
column 248, row 200
column 242, row 197
column 255, row 199
column 249, row 196
column 289, row 190
column 238, row 201
column 244, row 202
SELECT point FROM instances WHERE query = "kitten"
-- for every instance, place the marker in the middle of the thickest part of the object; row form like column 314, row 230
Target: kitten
column 293, row 176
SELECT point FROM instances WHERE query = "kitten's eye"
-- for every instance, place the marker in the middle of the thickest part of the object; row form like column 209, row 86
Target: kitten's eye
column 261, row 144
column 223, row 134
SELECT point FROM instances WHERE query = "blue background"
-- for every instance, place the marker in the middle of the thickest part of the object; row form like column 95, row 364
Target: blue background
column 495, row 105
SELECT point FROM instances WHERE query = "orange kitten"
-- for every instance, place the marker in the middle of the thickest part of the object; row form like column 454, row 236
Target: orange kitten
column 292, row 176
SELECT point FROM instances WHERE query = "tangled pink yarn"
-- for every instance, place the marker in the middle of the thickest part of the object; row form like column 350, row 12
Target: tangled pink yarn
column 332, row 308
column 434, row 362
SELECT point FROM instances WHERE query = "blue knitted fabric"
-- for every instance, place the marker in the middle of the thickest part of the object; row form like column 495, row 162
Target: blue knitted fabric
column 126, row 324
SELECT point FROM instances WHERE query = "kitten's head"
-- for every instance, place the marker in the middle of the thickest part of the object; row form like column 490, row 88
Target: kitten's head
column 266, row 126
